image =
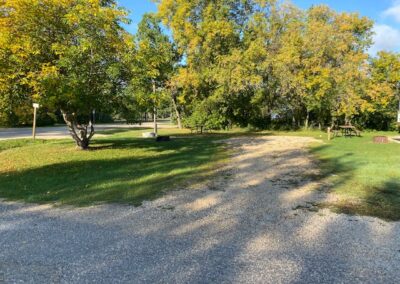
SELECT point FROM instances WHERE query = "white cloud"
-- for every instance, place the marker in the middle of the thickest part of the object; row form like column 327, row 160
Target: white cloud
column 385, row 38
column 393, row 11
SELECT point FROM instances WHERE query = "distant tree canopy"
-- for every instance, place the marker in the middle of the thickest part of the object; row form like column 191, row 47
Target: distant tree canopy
column 265, row 64
column 257, row 63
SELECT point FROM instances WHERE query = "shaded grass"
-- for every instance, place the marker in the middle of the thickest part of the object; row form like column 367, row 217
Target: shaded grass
column 364, row 176
column 119, row 168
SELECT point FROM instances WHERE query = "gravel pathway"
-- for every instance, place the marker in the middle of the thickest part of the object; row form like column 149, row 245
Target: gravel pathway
column 255, row 223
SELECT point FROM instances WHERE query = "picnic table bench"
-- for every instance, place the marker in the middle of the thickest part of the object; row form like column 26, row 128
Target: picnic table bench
column 348, row 130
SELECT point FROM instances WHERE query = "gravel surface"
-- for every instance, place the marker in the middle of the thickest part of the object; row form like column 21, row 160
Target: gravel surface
column 255, row 223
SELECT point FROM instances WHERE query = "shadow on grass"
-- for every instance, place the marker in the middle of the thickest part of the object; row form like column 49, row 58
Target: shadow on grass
column 381, row 200
column 105, row 176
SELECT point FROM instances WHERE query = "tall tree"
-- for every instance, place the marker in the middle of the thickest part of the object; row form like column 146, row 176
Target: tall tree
column 384, row 87
column 322, row 62
column 210, row 35
column 154, row 64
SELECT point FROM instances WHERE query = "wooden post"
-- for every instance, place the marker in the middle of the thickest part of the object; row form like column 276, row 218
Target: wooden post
column 329, row 133
column 35, row 107
column 155, row 109
column 155, row 121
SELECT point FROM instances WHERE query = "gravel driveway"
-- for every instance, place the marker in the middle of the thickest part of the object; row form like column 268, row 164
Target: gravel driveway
column 239, row 228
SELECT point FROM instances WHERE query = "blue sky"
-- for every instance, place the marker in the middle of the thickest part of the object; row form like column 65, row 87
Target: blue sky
column 385, row 13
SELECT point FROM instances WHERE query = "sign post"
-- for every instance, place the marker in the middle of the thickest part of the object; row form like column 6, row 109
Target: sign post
column 35, row 107
column 398, row 115
column 155, row 109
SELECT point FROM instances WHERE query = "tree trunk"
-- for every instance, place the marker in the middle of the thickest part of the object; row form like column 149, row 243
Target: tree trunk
column 293, row 120
column 333, row 122
column 155, row 120
column 398, row 115
column 347, row 120
column 155, row 109
column 307, row 120
column 177, row 112
column 81, row 133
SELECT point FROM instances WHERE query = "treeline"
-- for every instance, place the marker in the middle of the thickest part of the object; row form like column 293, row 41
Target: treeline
column 266, row 64
column 252, row 63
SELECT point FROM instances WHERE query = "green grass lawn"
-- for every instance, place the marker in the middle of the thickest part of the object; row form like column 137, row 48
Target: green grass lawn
column 121, row 167
column 365, row 176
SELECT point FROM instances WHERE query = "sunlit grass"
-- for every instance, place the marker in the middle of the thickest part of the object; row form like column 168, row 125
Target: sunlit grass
column 365, row 176
column 121, row 167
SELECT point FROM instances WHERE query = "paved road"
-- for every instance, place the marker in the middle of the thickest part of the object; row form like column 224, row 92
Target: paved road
column 62, row 132
column 242, row 227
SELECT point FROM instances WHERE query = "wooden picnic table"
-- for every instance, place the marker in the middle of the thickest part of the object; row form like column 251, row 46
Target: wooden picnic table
column 347, row 130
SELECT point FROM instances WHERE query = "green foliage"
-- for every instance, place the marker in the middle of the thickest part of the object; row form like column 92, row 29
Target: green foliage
column 245, row 62
column 63, row 54
column 207, row 116
column 274, row 63
column 384, row 92
column 152, row 65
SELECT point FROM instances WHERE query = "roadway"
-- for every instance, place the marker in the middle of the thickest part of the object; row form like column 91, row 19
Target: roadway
column 61, row 131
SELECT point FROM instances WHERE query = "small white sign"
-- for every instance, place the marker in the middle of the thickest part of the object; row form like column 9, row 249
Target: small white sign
column 398, row 117
column 36, row 105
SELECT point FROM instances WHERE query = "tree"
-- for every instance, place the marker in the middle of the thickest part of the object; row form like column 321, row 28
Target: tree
column 384, row 89
column 211, row 35
column 65, row 55
column 259, row 60
column 322, row 62
column 154, row 63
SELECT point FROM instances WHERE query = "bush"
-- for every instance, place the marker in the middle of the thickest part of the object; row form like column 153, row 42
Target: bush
column 206, row 115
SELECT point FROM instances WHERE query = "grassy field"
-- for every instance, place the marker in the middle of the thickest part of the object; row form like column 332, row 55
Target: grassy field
column 121, row 167
column 365, row 176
